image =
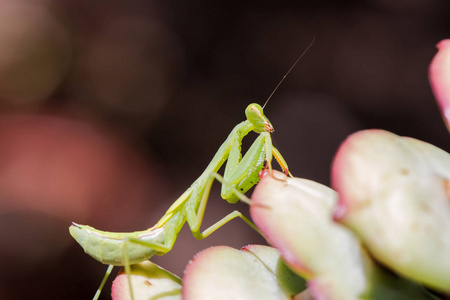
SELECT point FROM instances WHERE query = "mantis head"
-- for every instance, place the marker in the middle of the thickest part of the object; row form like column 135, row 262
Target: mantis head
column 255, row 115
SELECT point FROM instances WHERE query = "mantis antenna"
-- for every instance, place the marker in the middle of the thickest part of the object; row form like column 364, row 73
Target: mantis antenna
column 289, row 71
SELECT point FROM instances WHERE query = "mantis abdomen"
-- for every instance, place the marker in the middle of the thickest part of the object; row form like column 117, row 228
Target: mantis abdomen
column 109, row 247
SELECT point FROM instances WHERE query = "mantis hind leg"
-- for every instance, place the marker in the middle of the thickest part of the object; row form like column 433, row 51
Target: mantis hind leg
column 102, row 284
column 196, row 219
column 161, row 248
column 126, row 261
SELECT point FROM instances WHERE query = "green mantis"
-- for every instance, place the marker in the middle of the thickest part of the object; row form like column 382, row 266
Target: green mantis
column 241, row 173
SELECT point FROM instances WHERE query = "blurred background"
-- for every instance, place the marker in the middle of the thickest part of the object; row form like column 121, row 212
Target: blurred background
column 109, row 110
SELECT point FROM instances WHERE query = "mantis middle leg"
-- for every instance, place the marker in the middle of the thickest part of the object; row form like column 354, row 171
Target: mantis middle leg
column 196, row 219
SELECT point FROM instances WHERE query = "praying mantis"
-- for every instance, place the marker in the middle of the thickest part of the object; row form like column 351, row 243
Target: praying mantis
column 241, row 174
